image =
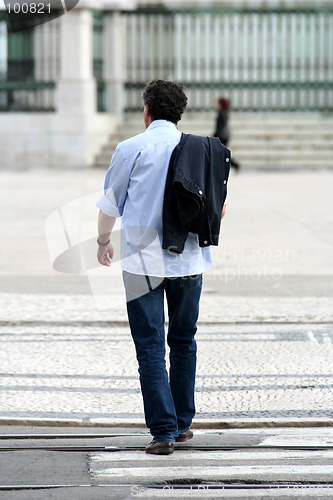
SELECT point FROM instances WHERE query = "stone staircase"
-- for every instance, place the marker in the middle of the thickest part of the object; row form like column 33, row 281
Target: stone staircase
column 259, row 140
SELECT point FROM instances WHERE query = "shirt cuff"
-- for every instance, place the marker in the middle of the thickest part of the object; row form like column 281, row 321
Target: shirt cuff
column 107, row 206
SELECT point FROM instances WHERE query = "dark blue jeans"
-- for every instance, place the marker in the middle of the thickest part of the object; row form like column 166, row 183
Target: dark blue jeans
column 168, row 401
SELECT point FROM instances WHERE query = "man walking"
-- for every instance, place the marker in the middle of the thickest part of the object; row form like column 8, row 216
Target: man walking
column 134, row 189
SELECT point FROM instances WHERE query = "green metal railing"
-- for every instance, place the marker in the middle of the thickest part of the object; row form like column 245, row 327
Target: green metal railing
column 263, row 60
column 271, row 94
column 28, row 69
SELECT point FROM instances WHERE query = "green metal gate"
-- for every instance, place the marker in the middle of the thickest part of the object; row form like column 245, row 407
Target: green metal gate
column 29, row 63
column 263, row 60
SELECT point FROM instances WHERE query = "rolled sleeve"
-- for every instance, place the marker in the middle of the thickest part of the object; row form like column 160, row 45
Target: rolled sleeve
column 108, row 208
column 115, row 186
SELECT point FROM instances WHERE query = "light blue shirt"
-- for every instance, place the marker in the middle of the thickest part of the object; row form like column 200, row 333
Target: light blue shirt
column 134, row 190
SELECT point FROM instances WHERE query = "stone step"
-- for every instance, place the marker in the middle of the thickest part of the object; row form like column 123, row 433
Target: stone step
column 259, row 139
column 248, row 127
column 253, row 162
column 288, row 121
column 259, row 155
column 266, row 133
column 264, row 139
column 253, row 117
column 306, row 147
column 245, row 135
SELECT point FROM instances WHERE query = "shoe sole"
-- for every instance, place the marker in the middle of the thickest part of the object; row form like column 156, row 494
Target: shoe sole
column 182, row 440
column 161, row 452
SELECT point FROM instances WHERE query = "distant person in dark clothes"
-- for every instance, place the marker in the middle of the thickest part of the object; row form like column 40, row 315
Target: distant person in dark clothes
column 222, row 130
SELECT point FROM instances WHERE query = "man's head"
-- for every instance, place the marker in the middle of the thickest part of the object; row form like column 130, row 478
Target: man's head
column 164, row 101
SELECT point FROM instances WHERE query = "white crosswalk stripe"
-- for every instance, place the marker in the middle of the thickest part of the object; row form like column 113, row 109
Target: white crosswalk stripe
column 255, row 472
column 301, row 492
column 208, row 474
column 220, row 456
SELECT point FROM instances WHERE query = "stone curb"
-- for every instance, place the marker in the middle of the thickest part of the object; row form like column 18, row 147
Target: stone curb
column 139, row 423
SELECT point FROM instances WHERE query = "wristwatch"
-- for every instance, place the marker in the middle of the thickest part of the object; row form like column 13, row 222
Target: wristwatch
column 103, row 244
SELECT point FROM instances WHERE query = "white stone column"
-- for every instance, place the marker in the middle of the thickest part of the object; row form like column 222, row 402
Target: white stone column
column 114, row 55
column 76, row 89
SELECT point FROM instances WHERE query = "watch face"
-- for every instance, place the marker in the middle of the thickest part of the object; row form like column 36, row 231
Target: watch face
column 24, row 15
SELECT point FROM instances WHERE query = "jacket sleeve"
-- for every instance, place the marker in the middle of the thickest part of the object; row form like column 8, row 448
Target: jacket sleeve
column 190, row 179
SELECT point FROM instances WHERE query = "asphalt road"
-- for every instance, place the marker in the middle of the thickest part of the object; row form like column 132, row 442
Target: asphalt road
column 233, row 463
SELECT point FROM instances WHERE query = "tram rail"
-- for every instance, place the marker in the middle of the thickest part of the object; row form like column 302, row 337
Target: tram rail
column 224, row 486
column 20, row 442
column 89, row 448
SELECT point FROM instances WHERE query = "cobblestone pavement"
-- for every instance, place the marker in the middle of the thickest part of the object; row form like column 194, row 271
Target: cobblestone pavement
column 213, row 308
column 89, row 371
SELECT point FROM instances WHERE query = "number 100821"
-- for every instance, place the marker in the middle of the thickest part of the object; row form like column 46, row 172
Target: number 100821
column 28, row 8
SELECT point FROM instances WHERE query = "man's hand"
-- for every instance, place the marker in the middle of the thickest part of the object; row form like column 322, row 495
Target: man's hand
column 105, row 254
column 223, row 211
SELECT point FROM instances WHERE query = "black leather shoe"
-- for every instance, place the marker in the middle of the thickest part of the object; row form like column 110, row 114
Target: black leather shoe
column 157, row 448
column 185, row 436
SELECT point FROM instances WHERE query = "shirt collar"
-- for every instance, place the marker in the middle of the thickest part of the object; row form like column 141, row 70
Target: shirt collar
column 161, row 123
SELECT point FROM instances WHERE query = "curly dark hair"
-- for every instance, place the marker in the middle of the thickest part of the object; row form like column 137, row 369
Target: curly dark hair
column 166, row 100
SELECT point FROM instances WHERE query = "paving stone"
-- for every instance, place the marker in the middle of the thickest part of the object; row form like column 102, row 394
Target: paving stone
column 90, row 371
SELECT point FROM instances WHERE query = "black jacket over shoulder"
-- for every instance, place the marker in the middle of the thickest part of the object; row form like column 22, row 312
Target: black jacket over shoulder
column 195, row 191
